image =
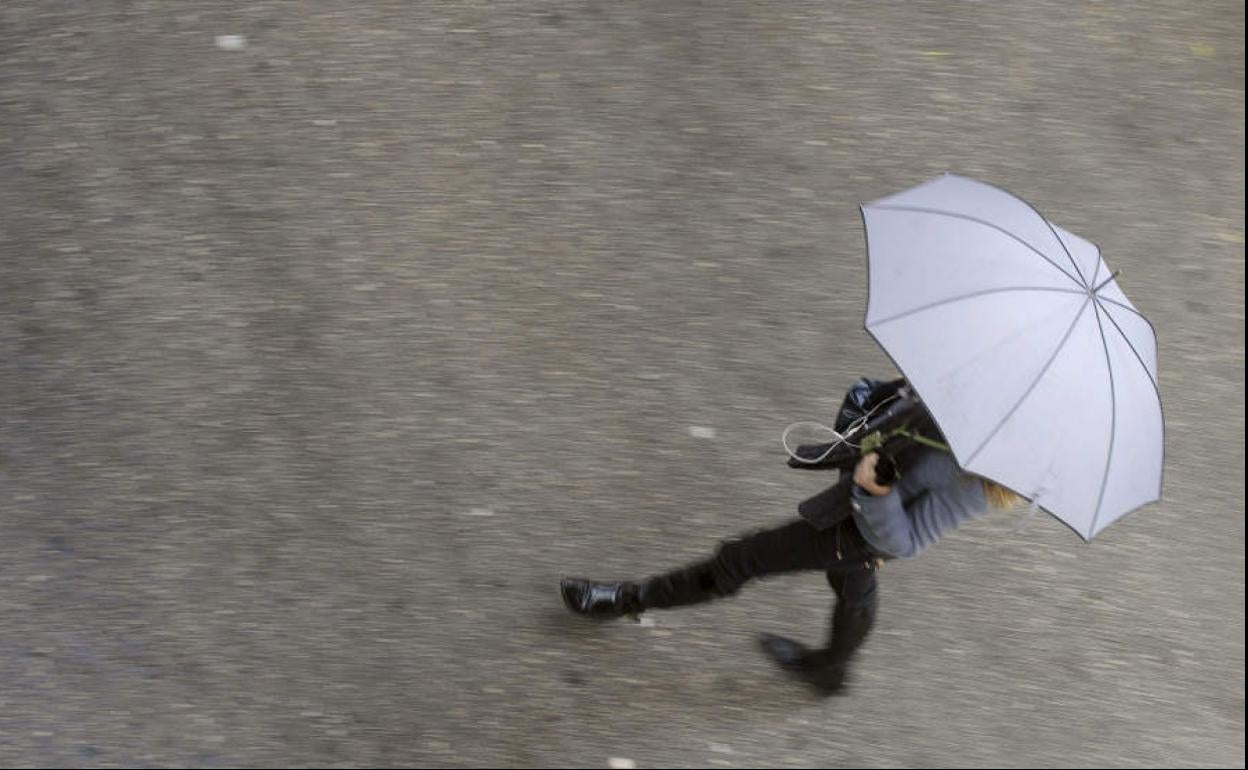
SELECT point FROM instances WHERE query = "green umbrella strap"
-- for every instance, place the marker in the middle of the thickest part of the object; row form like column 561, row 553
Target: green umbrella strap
column 924, row 440
column 874, row 441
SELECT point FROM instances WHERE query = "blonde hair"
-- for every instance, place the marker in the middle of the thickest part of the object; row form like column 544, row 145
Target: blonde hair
column 999, row 497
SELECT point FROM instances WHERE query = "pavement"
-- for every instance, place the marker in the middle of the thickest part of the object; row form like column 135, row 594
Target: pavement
column 333, row 333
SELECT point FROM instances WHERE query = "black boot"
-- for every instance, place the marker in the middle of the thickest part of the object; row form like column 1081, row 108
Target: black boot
column 689, row 585
column 603, row 601
column 824, row 669
column 795, row 658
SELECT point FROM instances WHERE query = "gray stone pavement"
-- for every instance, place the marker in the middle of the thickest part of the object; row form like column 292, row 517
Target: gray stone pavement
column 326, row 348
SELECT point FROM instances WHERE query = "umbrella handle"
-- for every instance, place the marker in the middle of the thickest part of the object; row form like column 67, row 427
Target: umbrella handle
column 886, row 470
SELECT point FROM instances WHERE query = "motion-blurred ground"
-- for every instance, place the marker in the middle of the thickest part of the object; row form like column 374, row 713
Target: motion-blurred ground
column 325, row 349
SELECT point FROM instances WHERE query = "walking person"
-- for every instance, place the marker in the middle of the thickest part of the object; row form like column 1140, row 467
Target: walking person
column 847, row 531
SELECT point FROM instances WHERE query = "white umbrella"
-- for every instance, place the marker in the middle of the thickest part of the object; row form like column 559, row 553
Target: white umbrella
column 1039, row 371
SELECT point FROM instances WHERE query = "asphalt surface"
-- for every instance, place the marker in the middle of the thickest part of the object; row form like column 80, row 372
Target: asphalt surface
column 333, row 333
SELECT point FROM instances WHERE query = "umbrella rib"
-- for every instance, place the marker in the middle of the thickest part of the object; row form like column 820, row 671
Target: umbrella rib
column 1138, row 357
column 1127, row 340
column 1050, row 225
column 1041, row 254
column 1035, row 382
column 961, row 297
column 1069, row 256
column 1099, row 261
column 1113, row 425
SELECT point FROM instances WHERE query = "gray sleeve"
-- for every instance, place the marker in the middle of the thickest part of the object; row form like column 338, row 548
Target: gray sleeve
column 905, row 531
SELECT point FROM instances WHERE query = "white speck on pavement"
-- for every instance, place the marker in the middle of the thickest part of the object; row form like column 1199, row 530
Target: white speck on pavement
column 231, row 42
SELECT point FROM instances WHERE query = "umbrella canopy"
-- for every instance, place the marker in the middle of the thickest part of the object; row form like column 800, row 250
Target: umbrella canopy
column 1039, row 371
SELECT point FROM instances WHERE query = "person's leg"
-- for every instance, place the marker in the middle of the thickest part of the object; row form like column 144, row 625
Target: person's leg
column 788, row 548
column 852, row 620
column 856, row 587
column 793, row 547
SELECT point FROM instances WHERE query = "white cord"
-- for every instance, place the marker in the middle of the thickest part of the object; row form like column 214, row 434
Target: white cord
column 854, row 427
column 784, row 440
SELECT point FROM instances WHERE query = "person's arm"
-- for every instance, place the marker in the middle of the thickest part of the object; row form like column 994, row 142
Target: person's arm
column 904, row 531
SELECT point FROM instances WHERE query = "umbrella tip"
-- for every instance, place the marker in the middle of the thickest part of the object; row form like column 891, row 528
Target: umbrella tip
column 1112, row 276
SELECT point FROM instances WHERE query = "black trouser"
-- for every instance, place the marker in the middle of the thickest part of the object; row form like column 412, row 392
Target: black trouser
column 840, row 551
